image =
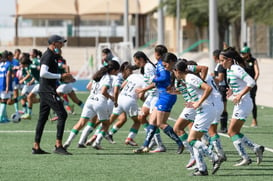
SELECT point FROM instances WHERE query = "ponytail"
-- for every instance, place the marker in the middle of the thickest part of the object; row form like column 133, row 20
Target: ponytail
column 111, row 65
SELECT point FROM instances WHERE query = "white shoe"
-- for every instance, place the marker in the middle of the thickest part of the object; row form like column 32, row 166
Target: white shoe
column 130, row 141
column 159, row 149
column 96, row 146
column 259, row 154
column 191, row 163
column 243, row 162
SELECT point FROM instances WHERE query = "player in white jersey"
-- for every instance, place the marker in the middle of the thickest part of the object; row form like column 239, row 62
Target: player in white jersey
column 148, row 69
column 125, row 70
column 240, row 84
column 199, row 93
column 129, row 107
column 96, row 103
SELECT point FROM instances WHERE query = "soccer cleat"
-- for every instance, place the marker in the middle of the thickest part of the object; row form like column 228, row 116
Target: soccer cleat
column 180, row 149
column 96, row 146
column 110, row 139
column 142, row 149
column 200, row 173
column 159, row 149
column 90, row 141
column 130, row 141
column 216, row 165
column 70, row 109
column 55, row 118
column 259, row 154
column 61, row 151
column 81, row 146
column 26, row 116
column 243, row 162
column 21, row 112
column 38, row 151
column 191, row 163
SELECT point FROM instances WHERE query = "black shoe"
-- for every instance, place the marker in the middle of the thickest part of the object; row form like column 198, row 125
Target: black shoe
column 81, row 146
column 216, row 165
column 200, row 173
column 38, row 151
column 60, row 150
column 110, row 139
column 180, row 149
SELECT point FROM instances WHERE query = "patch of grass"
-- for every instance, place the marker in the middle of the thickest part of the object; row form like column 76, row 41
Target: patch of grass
column 117, row 161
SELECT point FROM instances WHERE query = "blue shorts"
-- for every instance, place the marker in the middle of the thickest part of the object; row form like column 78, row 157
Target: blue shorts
column 165, row 102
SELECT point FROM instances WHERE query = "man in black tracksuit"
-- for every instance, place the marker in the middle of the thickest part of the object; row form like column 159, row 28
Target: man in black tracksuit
column 48, row 96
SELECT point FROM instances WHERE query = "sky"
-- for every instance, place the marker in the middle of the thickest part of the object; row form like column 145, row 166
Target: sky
column 7, row 9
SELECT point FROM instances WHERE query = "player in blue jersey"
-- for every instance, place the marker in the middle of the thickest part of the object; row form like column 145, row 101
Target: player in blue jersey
column 161, row 112
column 5, row 85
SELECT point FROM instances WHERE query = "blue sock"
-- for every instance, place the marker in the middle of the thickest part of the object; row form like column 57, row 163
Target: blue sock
column 169, row 131
column 149, row 134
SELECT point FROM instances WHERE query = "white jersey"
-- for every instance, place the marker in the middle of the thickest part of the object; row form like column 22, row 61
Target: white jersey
column 238, row 79
column 115, row 83
column 95, row 93
column 134, row 81
column 182, row 88
column 149, row 74
column 215, row 92
column 193, row 84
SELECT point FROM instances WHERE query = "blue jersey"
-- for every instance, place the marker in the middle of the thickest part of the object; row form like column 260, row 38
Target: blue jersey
column 5, row 66
column 163, row 80
column 162, row 77
column 15, row 63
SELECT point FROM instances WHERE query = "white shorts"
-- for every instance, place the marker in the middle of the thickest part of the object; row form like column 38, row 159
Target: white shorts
column 35, row 89
column 243, row 109
column 204, row 116
column 4, row 95
column 128, row 105
column 65, row 88
column 188, row 114
column 110, row 105
column 27, row 89
column 93, row 107
column 150, row 102
column 219, row 108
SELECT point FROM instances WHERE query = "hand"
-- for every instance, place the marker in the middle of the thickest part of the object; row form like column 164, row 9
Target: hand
column 139, row 90
column 229, row 93
column 237, row 99
column 67, row 78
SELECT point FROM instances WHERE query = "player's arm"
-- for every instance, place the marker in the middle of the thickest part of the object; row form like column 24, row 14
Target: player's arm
column 256, row 70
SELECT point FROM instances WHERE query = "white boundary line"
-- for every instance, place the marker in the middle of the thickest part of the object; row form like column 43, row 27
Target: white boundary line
column 48, row 131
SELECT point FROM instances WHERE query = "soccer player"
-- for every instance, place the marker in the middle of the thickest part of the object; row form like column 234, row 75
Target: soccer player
column 199, row 93
column 96, row 103
column 161, row 112
column 148, row 69
column 240, row 84
column 5, row 85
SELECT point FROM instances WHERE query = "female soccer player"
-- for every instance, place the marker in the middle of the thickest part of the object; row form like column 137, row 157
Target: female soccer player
column 199, row 93
column 161, row 112
column 148, row 69
column 96, row 103
column 240, row 84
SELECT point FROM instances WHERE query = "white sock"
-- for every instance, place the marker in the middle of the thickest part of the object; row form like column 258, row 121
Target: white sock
column 198, row 155
column 86, row 131
column 131, row 135
column 247, row 142
column 218, row 147
column 188, row 147
column 201, row 146
column 240, row 148
column 99, row 138
column 71, row 136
